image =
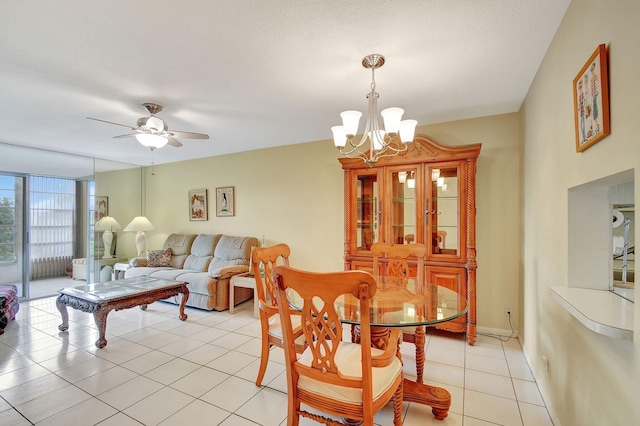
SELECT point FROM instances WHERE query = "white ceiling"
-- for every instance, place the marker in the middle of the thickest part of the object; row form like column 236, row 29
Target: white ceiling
column 255, row 74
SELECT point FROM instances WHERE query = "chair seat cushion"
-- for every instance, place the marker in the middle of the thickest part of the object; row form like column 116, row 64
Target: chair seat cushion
column 275, row 328
column 348, row 360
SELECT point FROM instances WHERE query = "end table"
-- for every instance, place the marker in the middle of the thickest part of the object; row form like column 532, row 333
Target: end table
column 247, row 281
column 119, row 269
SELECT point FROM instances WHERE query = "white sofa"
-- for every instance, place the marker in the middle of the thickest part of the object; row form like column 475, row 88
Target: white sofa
column 206, row 262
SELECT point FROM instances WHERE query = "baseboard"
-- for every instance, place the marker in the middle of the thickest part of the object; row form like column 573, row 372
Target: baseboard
column 496, row 332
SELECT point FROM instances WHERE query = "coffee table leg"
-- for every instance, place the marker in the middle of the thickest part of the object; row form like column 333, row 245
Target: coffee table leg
column 100, row 317
column 185, row 297
column 65, row 315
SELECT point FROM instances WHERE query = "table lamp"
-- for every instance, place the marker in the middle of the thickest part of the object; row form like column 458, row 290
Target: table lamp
column 108, row 225
column 140, row 224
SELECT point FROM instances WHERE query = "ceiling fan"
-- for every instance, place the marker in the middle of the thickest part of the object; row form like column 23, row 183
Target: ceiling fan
column 153, row 132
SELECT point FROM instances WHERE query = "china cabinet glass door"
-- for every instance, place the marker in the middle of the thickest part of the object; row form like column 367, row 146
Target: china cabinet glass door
column 367, row 210
column 403, row 213
column 443, row 211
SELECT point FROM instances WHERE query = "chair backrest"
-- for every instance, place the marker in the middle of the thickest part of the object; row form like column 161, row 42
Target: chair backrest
column 398, row 257
column 321, row 325
column 268, row 258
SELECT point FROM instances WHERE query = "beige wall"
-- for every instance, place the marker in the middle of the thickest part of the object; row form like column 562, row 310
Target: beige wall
column 592, row 377
column 124, row 191
column 294, row 194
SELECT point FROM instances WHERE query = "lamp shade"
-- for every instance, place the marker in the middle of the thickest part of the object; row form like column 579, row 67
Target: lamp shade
column 350, row 121
column 155, row 123
column 140, row 223
column 407, row 130
column 339, row 136
column 107, row 223
column 392, row 117
column 151, row 141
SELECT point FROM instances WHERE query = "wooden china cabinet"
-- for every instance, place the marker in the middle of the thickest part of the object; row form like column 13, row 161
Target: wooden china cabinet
column 425, row 195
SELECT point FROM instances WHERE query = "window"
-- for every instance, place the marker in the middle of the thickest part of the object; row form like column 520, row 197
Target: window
column 7, row 219
column 52, row 211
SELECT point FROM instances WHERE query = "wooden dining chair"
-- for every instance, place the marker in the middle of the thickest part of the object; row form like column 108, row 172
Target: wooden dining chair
column 266, row 258
column 397, row 258
column 349, row 380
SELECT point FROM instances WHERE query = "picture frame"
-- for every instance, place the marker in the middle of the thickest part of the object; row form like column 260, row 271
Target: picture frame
column 591, row 100
column 225, row 201
column 101, row 207
column 198, row 205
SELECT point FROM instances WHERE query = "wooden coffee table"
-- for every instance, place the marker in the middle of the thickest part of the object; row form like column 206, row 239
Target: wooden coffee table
column 100, row 298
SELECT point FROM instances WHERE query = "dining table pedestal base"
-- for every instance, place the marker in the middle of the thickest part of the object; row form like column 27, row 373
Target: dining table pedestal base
column 438, row 399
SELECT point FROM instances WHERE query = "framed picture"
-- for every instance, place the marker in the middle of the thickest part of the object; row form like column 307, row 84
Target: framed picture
column 591, row 100
column 224, row 201
column 101, row 207
column 198, row 204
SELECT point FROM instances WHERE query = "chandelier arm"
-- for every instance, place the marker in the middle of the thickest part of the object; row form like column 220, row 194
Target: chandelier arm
column 386, row 153
column 351, row 151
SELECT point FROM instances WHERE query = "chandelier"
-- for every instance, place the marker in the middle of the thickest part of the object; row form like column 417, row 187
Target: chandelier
column 381, row 143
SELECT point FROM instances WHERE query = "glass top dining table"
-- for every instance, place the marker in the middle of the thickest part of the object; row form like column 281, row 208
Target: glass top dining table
column 401, row 302
column 404, row 302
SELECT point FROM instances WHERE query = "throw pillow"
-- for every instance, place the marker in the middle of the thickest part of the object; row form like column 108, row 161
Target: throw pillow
column 159, row 258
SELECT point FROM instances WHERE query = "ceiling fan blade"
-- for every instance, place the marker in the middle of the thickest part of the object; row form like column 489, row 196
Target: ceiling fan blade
column 111, row 122
column 173, row 142
column 188, row 135
column 130, row 135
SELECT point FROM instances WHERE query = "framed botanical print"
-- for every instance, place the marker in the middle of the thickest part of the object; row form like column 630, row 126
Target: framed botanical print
column 198, row 204
column 225, row 201
column 591, row 100
column 101, row 207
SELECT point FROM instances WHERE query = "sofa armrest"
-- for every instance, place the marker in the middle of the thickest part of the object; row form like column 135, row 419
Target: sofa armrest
column 228, row 271
column 138, row 262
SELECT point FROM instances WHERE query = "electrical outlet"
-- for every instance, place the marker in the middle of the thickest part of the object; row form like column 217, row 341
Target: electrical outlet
column 546, row 364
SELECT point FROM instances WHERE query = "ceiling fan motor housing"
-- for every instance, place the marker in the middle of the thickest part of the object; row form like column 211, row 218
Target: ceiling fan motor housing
column 155, row 123
column 152, row 108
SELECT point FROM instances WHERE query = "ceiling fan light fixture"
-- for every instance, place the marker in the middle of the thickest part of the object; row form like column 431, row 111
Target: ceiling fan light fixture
column 153, row 132
column 151, row 141
column 155, row 123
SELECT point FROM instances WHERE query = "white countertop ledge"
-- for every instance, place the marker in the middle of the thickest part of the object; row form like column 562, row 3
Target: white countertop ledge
column 601, row 311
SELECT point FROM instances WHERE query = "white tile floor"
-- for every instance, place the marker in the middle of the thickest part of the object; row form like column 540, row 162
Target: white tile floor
column 157, row 369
